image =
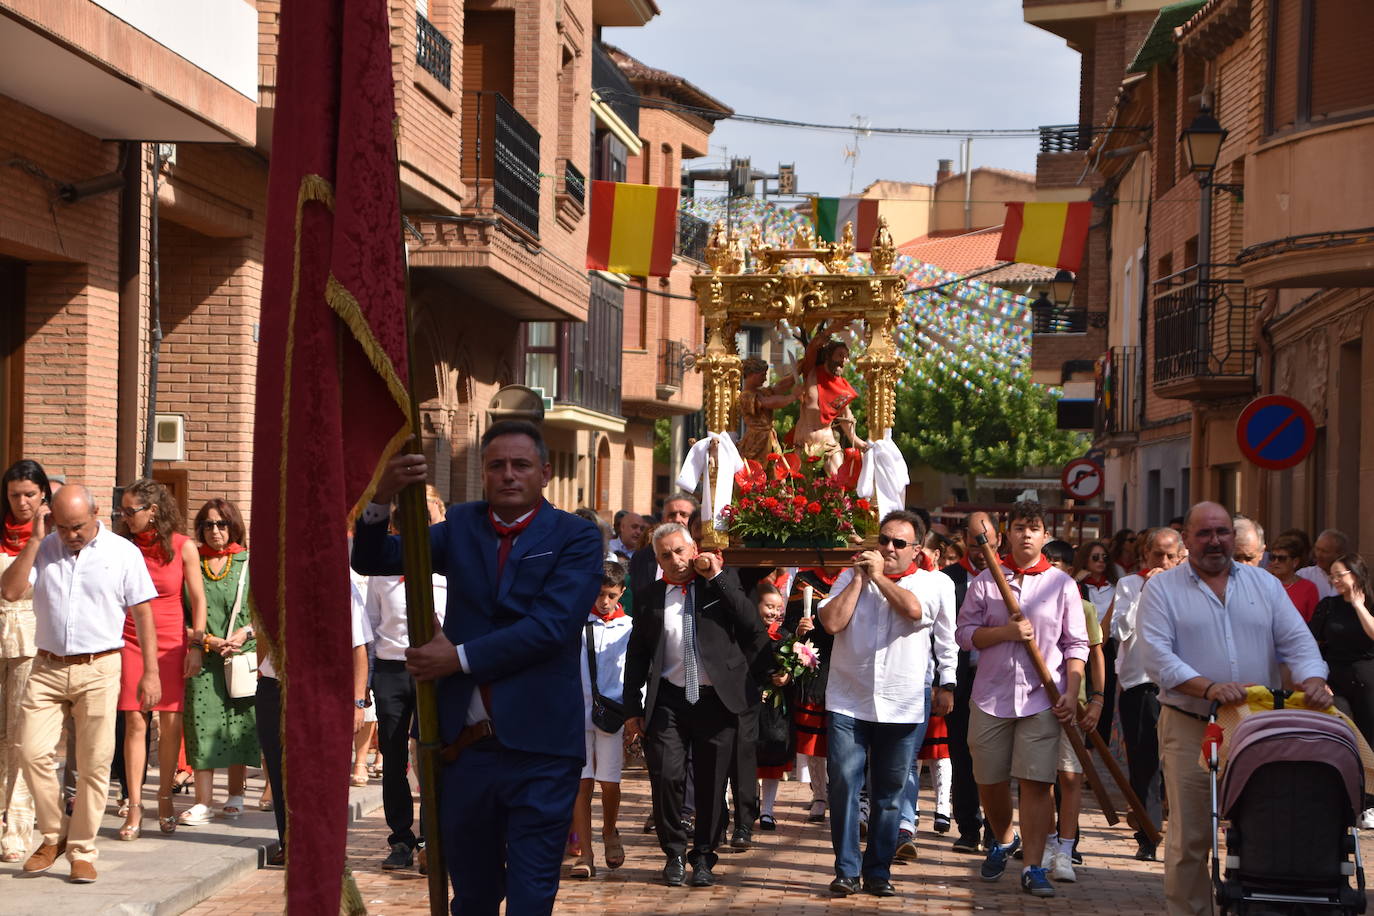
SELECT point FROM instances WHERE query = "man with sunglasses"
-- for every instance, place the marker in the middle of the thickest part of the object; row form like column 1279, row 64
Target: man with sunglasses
column 882, row 613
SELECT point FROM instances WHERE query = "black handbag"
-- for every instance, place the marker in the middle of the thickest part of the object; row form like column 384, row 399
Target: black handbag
column 607, row 715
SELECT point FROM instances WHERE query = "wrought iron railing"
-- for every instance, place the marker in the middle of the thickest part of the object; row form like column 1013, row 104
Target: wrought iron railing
column 670, row 363
column 574, row 184
column 1118, row 393
column 433, row 51
column 692, row 236
column 1203, row 326
column 1048, row 318
column 515, row 166
column 1065, row 138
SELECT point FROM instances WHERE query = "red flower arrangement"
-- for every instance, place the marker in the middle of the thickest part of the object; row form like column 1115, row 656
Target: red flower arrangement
column 783, row 503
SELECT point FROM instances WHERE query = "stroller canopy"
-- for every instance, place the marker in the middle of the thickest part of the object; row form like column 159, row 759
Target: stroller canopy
column 1297, row 735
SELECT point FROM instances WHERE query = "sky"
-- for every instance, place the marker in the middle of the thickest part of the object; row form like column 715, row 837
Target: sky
column 944, row 64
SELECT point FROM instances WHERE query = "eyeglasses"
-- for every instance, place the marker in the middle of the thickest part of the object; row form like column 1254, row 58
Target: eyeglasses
column 221, row 524
column 1281, row 558
column 1342, row 574
column 131, row 511
column 899, row 543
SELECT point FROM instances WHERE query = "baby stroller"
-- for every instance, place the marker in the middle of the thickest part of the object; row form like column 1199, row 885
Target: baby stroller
column 1293, row 787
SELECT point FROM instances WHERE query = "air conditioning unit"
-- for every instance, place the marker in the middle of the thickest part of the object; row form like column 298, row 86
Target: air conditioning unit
column 169, row 437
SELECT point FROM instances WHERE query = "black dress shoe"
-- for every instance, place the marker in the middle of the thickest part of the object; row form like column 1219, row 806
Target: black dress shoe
column 843, row 887
column 742, row 839
column 701, row 873
column 879, row 887
column 401, row 857
column 675, row 872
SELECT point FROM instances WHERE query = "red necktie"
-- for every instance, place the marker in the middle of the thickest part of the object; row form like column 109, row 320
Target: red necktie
column 507, row 534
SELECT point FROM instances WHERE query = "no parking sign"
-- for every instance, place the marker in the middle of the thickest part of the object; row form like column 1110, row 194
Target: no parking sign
column 1275, row 432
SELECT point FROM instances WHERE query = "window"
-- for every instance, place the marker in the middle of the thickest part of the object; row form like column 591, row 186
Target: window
column 1319, row 68
column 541, row 357
column 609, row 156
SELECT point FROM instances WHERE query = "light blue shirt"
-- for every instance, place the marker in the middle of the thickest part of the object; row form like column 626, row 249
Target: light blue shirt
column 1187, row 632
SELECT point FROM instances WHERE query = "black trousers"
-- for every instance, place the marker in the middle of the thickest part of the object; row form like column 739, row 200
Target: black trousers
column 708, row 729
column 393, row 693
column 1104, row 722
column 1139, row 722
column 963, row 788
column 268, row 708
column 744, row 780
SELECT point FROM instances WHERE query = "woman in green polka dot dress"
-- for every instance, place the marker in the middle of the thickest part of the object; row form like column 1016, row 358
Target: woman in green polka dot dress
column 221, row 731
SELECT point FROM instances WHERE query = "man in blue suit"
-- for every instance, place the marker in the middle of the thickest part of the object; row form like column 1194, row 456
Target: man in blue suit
column 522, row 576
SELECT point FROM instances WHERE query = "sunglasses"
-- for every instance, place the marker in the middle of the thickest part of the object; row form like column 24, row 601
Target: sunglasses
column 1098, row 557
column 899, row 543
column 222, row 525
column 1280, row 557
column 131, row 511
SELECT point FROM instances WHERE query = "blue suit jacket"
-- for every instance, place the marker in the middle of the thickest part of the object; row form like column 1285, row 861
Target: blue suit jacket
column 521, row 635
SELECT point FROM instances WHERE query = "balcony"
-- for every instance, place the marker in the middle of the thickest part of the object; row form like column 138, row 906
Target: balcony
column 574, row 184
column 1118, row 397
column 433, row 51
column 570, row 202
column 587, row 355
column 1065, row 138
column 1048, row 318
column 671, row 355
column 692, row 236
column 1204, row 345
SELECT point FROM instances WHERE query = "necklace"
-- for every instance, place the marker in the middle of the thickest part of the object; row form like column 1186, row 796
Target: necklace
column 209, row 573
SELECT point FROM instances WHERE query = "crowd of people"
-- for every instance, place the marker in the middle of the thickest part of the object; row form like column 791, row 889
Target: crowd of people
column 576, row 643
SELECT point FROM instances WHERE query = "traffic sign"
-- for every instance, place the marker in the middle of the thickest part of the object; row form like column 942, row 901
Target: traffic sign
column 1082, row 478
column 1275, row 432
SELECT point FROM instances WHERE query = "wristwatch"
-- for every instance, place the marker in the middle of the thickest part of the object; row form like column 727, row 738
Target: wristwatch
column 949, row 687
column 363, row 704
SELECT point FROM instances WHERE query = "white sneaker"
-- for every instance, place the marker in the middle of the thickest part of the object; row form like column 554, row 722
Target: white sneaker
column 1367, row 819
column 1047, row 860
column 1062, row 867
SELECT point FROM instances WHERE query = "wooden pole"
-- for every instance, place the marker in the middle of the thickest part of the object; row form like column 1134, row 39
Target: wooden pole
column 1133, row 801
column 1051, row 688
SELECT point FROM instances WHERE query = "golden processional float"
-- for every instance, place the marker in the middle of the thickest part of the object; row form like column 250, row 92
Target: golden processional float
column 816, row 287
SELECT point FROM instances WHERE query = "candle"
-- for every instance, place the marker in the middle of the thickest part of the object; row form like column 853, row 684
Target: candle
column 806, row 599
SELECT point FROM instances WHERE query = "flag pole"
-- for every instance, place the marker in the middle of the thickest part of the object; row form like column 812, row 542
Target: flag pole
column 418, row 564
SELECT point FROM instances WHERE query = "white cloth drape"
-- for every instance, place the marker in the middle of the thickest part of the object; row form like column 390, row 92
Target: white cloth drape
column 884, row 475
column 693, row 473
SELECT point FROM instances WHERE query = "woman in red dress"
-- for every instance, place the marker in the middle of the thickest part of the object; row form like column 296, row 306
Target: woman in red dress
column 151, row 520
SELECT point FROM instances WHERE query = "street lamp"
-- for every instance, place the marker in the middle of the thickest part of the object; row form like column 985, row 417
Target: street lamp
column 1061, row 287
column 1202, row 144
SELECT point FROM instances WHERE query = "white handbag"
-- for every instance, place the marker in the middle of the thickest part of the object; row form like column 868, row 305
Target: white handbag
column 241, row 670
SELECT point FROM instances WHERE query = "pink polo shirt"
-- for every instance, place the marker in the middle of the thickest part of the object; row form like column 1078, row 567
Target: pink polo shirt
column 1007, row 685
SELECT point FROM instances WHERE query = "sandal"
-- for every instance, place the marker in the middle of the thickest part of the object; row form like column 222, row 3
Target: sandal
column 123, row 810
column 359, row 778
column 583, row 869
column 265, row 800
column 615, row 850
column 233, row 807
column 197, row 815
column 167, row 823
column 181, row 781
column 14, row 855
column 133, row 826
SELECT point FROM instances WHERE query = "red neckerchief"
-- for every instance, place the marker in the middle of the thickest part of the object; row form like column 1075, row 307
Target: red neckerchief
column 822, row 575
column 965, row 562
column 1041, row 564
column 1097, row 581
column 926, row 562
column 780, row 583
column 775, row 630
column 15, row 536
column 835, row 394
column 151, row 546
column 1144, row 570
column 682, row 585
column 902, row 575
column 607, row 618
column 210, row 553
column 506, row 534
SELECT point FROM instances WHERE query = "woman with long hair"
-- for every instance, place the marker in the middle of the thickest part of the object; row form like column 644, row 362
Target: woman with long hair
column 26, row 488
column 1097, row 574
column 151, row 521
column 1122, row 553
column 221, row 731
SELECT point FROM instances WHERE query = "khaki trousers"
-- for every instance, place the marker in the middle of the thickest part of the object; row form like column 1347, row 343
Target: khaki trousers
column 90, row 692
column 1188, row 841
column 16, row 802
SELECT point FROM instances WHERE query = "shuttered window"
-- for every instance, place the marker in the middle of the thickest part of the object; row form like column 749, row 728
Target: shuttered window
column 1319, row 65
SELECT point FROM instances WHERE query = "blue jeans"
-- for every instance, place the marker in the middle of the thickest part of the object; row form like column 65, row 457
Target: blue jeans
column 885, row 751
column 912, row 790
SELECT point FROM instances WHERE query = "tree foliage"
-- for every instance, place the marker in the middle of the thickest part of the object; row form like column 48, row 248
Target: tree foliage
column 999, row 428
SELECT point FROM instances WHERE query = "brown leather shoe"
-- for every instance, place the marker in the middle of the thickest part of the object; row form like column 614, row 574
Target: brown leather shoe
column 44, row 856
column 83, row 872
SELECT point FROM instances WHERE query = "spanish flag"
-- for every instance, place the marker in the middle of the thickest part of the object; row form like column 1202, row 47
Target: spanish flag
column 633, row 229
column 1051, row 234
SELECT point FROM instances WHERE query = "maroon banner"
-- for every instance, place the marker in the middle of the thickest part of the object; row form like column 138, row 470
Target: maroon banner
column 331, row 397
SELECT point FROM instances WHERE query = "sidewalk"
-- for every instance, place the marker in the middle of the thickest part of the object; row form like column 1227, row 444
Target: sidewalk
column 785, row 873
column 160, row 873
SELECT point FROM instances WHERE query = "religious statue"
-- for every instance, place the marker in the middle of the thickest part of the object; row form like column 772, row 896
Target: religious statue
column 757, row 402
column 826, row 397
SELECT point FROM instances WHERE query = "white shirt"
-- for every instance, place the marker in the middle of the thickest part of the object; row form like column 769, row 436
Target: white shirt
column 1101, row 596
column 878, row 662
column 610, row 640
column 1320, row 579
column 1130, row 661
column 386, row 613
column 362, row 632
column 1187, row 632
column 673, row 670
column 80, row 600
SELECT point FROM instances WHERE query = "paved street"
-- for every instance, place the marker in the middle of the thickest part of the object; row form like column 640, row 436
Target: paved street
column 786, row 873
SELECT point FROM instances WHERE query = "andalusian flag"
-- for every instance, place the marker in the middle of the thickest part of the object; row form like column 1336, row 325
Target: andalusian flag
column 1052, row 235
column 633, row 229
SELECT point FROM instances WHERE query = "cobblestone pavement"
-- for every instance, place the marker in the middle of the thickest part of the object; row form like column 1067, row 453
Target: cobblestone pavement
column 785, row 873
